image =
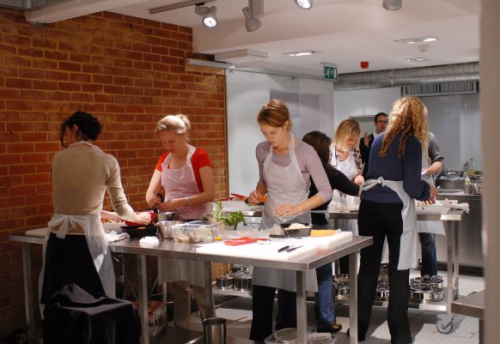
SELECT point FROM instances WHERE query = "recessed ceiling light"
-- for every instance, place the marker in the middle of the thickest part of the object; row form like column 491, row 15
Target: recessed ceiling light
column 301, row 53
column 416, row 40
column 417, row 59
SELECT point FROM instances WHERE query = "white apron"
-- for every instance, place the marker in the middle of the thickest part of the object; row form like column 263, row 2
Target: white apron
column 407, row 250
column 347, row 167
column 284, row 185
column 182, row 183
column 96, row 241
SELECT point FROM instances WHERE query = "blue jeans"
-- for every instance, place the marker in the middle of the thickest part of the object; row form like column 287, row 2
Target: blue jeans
column 325, row 312
column 429, row 260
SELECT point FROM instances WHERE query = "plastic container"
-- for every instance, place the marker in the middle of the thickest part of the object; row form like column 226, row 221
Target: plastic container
column 195, row 231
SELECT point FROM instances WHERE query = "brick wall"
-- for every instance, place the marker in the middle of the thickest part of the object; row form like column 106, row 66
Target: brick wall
column 126, row 71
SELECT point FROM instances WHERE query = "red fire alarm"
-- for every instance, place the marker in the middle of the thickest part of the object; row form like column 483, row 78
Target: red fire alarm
column 364, row 64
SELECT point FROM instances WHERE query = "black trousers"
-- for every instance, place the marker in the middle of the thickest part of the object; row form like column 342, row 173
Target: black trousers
column 380, row 221
column 262, row 311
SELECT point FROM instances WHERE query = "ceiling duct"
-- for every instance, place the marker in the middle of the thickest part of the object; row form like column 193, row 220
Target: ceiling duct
column 402, row 77
column 29, row 5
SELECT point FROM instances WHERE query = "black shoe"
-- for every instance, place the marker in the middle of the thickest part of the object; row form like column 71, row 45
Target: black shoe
column 336, row 327
column 360, row 337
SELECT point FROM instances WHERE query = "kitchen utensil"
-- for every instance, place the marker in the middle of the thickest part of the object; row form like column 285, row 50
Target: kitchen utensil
column 284, row 248
column 165, row 228
column 293, row 248
column 214, row 330
column 165, row 216
column 140, row 231
column 286, row 336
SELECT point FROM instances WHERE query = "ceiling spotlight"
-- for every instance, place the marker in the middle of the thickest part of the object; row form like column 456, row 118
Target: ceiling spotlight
column 392, row 5
column 208, row 14
column 251, row 23
column 304, row 4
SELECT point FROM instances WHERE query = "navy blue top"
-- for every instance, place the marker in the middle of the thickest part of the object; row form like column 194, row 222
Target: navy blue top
column 391, row 167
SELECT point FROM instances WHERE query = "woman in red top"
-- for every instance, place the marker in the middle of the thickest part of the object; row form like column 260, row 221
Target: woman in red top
column 184, row 171
column 186, row 174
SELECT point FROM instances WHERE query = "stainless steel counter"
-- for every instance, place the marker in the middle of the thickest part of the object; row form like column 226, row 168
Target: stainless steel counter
column 168, row 248
column 473, row 306
column 469, row 232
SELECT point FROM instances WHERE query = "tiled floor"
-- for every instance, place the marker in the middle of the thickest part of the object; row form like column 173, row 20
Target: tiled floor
column 423, row 322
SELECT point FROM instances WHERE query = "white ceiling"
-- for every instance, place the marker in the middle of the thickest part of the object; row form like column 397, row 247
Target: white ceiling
column 345, row 32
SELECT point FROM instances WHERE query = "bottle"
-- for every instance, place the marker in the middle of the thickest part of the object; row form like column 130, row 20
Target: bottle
column 467, row 185
column 472, row 170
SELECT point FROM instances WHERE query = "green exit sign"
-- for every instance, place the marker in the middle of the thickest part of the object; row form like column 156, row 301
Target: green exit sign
column 330, row 73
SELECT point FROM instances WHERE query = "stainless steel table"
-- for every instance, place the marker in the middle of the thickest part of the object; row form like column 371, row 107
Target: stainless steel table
column 168, row 248
column 472, row 305
column 450, row 221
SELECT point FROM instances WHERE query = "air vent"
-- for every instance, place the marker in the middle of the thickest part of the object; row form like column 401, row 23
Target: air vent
column 442, row 88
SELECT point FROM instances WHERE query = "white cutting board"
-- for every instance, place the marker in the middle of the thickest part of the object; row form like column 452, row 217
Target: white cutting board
column 321, row 242
column 262, row 249
column 269, row 249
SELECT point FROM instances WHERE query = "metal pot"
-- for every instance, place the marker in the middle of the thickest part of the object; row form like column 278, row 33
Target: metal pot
column 224, row 282
column 243, row 283
column 166, row 216
column 166, row 228
column 436, row 296
column 416, row 295
column 286, row 336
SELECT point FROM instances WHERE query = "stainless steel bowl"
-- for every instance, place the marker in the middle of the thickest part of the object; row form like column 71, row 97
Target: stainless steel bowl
column 166, row 228
column 166, row 216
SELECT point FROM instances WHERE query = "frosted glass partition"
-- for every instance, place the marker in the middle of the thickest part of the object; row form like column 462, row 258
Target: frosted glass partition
column 311, row 107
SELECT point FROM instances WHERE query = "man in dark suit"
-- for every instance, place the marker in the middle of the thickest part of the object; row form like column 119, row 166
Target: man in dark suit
column 365, row 143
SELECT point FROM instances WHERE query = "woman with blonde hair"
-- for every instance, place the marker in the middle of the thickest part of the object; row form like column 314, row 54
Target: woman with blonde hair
column 387, row 210
column 186, row 174
column 346, row 156
column 286, row 168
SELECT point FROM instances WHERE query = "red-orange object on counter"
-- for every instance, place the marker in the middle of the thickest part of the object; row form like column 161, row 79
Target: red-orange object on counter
column 240, row 241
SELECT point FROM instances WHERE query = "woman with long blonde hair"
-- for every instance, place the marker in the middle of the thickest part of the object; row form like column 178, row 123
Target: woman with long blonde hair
column 346, row 156
column 387, row 210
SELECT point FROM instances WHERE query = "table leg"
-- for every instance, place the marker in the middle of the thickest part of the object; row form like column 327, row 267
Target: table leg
column 28, row 291
column 209, row 300
column 301, row 307
column 456, row 270
column 143, row 297
column 353, row 298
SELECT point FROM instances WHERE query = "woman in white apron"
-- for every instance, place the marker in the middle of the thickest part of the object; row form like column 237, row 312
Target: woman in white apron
column 286, row 166
column 186, row 174
column 387, row 210
column 346, row 158
column 75, row 249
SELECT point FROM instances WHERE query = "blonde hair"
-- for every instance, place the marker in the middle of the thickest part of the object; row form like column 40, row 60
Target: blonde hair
column 179, row 124
column 409, row 117
column 346, row 130
column 275, row 114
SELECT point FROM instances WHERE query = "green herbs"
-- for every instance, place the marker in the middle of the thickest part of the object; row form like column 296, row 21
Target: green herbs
column 229, row 219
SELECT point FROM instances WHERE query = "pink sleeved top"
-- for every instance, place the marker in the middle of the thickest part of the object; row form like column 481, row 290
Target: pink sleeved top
column 309, row 163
